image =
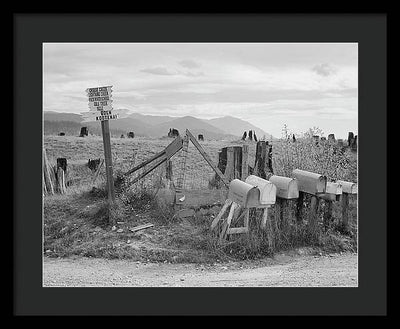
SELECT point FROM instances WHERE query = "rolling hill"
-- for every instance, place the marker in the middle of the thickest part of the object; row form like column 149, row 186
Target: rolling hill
column 151, row 126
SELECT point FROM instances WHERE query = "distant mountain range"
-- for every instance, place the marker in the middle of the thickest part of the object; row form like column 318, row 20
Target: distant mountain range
column 226, row 127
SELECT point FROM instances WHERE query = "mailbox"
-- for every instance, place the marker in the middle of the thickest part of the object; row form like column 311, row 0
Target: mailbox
column 286, row 187
column 348, row 187
column 310, row 182
column 332, row 193
column 244, row 194
column 267, row 189
column 334, row 188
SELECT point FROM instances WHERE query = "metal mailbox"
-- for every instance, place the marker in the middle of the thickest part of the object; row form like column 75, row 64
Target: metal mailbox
column 332, row 193
column 310, row 182
column 334, row 188
column 286, row 187
column 267, row 189
column 348, row 187
column 244, row 194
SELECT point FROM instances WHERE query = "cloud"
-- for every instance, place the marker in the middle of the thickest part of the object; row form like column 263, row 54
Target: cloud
column 193, row 74
column 189, row 64
column 158, row 70
column 324, row 69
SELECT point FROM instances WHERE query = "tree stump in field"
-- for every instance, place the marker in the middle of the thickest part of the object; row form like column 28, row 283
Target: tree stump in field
column 93, row 164
column 230, row 162
column 62, row 163
column 84, row 132
column 263, row 160
column 350, row 139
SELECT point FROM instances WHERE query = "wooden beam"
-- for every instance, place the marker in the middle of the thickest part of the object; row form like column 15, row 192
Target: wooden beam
column 237, row 230
column 227, row 222
column 169, row 151
column 149, row 170
column 221, row 213
column 206, row 157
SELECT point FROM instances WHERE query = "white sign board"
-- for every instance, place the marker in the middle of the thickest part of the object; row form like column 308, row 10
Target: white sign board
column 93, row 115
column 100, row 107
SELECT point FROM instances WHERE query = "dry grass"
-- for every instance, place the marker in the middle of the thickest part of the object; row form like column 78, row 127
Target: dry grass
column 80, row 222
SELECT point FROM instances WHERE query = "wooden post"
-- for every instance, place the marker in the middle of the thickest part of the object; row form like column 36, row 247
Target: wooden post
column 259, row 164
column 266, row 224
column 345, row 211
column 44, row 184
column 230, row 161
column 327, row 214
column 313, row 218
column 246, row 218
column 279, row 213
column 237, row 162
column 168, row 170
column 105, row 128
column 48, row 177
column 245, row 158
column 61, row 180
column 300, row 206
column 269, row 159
column 220, row 214
column 230, row 166
column 227, row 222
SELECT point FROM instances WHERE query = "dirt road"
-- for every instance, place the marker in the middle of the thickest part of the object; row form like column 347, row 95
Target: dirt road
column 281, row 271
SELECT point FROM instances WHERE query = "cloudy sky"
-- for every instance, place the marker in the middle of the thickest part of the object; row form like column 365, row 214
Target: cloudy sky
column 301, row 85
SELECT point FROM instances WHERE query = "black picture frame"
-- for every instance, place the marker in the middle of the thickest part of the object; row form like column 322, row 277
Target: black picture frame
column 31, row 30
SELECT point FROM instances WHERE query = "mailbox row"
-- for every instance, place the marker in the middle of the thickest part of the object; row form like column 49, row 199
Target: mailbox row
column 256, row 192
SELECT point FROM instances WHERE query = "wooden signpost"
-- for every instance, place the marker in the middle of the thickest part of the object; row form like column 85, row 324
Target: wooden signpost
column 100, row 99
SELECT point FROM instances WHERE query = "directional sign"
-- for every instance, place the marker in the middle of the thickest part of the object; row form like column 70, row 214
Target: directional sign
column 99, row 117
column 106, row 92
column 100, row 98
column 100, row 108
column 91, row 115
column 99, row 89
column 101, row 103
column 107, row 117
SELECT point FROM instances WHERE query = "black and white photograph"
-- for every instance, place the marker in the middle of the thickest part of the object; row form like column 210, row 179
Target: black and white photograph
column 200, row 164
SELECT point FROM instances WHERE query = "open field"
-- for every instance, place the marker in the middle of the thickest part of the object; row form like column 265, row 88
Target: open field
column 80, row 223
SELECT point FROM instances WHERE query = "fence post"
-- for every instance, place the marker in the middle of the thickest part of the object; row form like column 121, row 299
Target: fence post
column 269, row 159
column 300, row 206
column 259, row 164
column 168, row 170
column 266, row 224
column 313, row 218
column 345, row 211
column 61, row 180
column 327, row 213
column 48, row 177
column 245, row 158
